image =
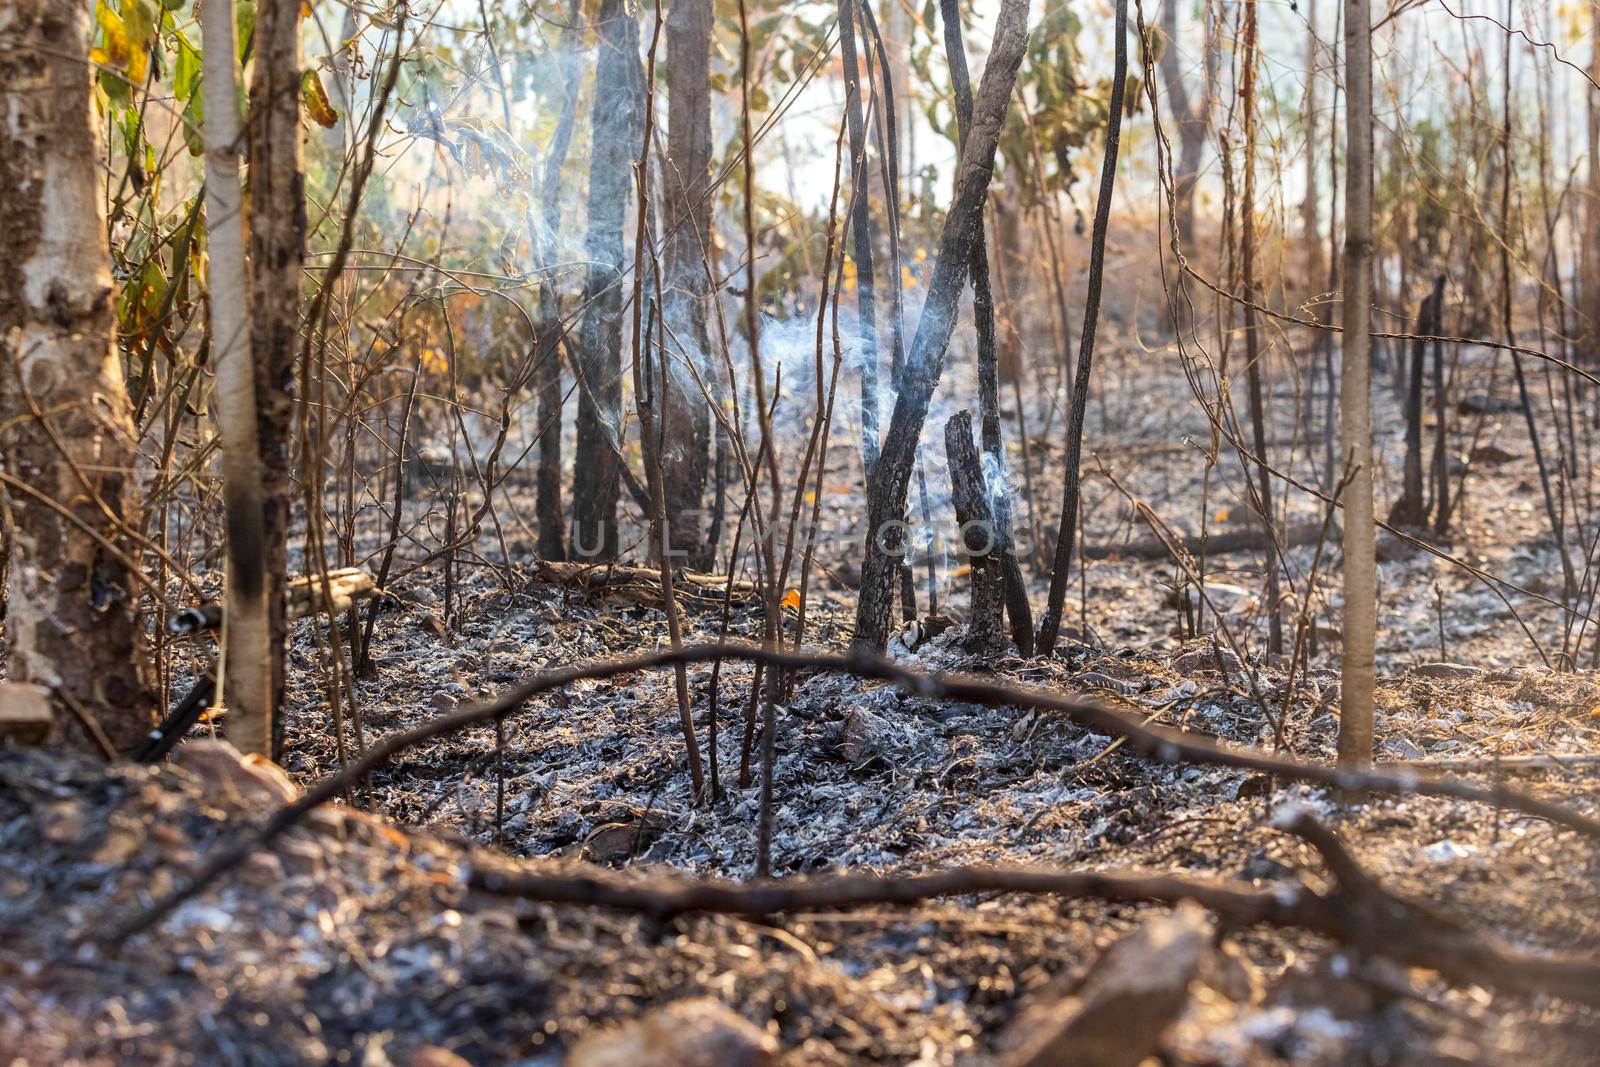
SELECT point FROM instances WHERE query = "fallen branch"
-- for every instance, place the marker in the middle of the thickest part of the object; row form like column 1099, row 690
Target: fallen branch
column 1166, row 745
column 642, row 585
column 304, row 597
column 1250, row 539
column 1356, row 911
column 1498, row 764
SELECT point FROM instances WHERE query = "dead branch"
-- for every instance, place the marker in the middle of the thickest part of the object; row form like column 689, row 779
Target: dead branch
column 305, row 597
column 1356, row 911
column 1166, row 745
column 642, row 585
column 1252, row 539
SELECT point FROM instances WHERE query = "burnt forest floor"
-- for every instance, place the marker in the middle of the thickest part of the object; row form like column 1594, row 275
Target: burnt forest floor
column 356, row 939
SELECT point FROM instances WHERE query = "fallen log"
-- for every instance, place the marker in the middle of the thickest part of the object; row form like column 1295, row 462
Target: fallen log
column 640, row 585
column 307, row 595
column 1246, row 540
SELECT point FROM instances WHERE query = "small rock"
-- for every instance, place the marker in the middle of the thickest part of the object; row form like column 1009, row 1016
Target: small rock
column 262, row 870
column 1445, row 851
column 614, row 842
column 25, row 716
column 1208, row 659
column 691, row 1033
column 434, row 1056
column 863, row 736
column 64, row 820
column 1129, row 998
column 1400, row 748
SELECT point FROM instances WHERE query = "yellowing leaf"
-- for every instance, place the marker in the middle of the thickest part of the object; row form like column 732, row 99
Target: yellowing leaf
column 315, row 99
column 791, row 599
column 907, row 279
column 1222, row 516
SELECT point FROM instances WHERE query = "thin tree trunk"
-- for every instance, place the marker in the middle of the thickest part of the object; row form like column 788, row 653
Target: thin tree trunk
column 1252, row 335
column 616, row 128
column 1060, row 569
column 686, row 221
column 1188, row 115
column 1411, row 509
column 886, row 497
column 1310, row 228
column 67, row 441
column 862, row 240
column 1441, row 426
column 247, row 671
column 552, row 331
column 277, row 252
column 1358, row 670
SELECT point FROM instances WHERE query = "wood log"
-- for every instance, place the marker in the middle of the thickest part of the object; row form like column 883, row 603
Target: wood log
column 641, row 585
column 1246, row 540
column 305, row 596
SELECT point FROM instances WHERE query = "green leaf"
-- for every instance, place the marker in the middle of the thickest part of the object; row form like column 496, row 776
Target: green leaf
column 315, row 99
column 186, row 72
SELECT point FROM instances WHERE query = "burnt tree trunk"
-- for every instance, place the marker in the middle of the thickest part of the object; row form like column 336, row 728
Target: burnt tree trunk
column 1441, row 430
column 277, row 253
column 248, row 676
column 886, row 495
column 686, row 218
column 616, row 119
column 1411, row 509
column 67, row 440
column 1050, row 627
column 969, row 494
column 1016, row 590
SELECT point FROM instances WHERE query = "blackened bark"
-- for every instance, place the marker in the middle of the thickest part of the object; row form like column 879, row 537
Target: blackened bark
column 969, row 494
column 1411, row 508
column 1051, row 624
column 1016, row 592
column 886, row 498
column 277, row 254
column 617, row 115
column 686, row 219
column 1441, row 432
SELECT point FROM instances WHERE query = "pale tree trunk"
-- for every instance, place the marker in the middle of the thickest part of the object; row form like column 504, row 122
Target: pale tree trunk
column 891, row 475
column 547, row 356
column 247, row 634
column 67, row 440
column 1189, row 115
column 1358, row 671
column 277, row 253
column 1589, row 262
column 1310, row 226
column 686, row 221
column 616, row 117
